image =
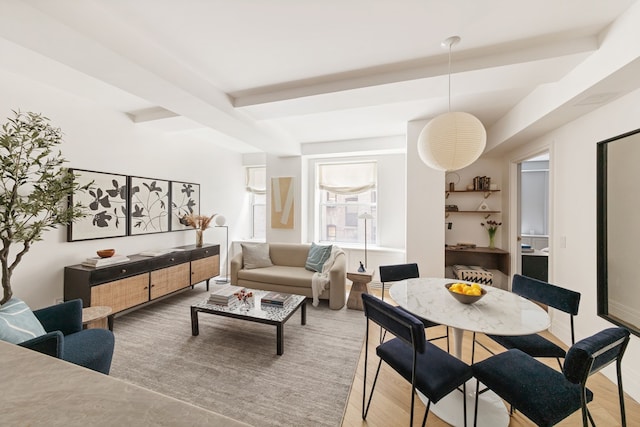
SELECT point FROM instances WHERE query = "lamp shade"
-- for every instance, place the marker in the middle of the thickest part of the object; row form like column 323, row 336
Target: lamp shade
column 452, row 141
column 220, row 220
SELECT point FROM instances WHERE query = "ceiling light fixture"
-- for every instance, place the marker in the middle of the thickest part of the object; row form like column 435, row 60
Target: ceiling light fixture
column 453, row 140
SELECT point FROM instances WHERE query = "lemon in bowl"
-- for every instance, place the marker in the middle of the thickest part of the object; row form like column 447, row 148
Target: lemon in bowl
column 466, row 293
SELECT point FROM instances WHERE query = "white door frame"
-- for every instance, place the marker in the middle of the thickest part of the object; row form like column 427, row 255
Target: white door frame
column 514, row 209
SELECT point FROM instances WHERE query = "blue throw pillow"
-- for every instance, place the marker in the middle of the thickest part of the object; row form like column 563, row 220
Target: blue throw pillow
column 318, row 255
column 18, row 323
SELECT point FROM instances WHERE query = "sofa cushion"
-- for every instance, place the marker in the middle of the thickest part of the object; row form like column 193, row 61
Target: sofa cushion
column 256, row 255
column 318, row 255
column 18, row 323
column 278, row 274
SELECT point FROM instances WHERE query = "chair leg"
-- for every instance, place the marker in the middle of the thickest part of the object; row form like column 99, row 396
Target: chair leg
column 365, row 410
column 559, row 363
column 623, row 416
column 464, row 403
column 473, row 347
column 426, row 412
column 475, row 410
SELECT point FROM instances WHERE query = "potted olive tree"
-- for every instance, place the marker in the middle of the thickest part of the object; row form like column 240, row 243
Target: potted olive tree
column 34, row 188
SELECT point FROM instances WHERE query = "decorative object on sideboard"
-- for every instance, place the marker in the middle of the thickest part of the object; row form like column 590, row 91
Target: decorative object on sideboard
column 452, row 140
column 34, row 186
column 491, row 227
column 199, row 223
column 221, row 222
column 366, row 216
column 105, row 253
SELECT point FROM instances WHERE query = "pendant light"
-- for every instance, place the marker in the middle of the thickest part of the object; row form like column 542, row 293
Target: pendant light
column 453, row 140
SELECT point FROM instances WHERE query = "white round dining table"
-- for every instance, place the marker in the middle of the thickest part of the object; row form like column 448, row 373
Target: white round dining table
column 498, row 312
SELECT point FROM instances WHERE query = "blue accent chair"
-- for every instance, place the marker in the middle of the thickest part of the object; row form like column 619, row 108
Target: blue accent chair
column 66, row 340
column 554, row 296
column 429, row 369
column 543, row 394
column 394, row 273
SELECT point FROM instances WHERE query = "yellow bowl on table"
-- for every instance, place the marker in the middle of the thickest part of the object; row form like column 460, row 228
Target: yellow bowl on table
column 465, row 293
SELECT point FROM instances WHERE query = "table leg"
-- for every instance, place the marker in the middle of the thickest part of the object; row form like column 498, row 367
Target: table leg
column 110, row 322
column 195, row 330
column 458, row 334
column 354, row 301
column 303, row 313
column 279, row 339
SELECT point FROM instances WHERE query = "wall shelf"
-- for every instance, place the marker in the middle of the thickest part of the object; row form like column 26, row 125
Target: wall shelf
column 486, row 193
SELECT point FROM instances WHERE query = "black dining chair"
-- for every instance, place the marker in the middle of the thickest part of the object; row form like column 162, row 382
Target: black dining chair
column 536, row 345
column 543, row 394
column 394, row 273
column 430, row 370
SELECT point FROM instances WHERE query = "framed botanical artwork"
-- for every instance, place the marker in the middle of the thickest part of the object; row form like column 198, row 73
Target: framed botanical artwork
column 148, row 205
column 185, row 199
column 105, row 206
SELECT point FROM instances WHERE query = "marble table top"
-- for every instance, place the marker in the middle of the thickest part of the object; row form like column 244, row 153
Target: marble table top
column 499, row 312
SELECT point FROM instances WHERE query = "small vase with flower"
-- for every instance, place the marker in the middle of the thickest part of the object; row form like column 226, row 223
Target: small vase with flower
column 491, row 227
column 199, row 223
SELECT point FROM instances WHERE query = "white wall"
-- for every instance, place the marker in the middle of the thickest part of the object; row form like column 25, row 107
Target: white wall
column 425, row 204
column 573, row 262
column 100, row 139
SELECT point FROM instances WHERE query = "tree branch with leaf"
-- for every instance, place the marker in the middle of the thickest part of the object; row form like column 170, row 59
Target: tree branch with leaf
column 34, row 188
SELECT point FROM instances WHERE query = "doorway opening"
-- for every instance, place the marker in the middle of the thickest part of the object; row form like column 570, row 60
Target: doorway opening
column 533, row 218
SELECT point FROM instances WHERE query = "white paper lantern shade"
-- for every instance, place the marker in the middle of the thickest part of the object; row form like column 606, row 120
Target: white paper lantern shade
column 452, row 141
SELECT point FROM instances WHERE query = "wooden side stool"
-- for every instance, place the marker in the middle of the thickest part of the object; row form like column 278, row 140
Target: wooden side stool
column 98, row 316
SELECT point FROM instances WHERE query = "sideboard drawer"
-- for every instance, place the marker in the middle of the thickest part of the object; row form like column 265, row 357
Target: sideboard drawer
column 205, row 252
column 118, row 271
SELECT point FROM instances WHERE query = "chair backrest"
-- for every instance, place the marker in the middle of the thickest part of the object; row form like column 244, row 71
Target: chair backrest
column 393, row 273
column 591, row 354
column 554, row 296
column 400, row 323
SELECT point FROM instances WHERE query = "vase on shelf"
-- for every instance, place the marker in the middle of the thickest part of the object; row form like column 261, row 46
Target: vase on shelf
column 199, row 238
column 492, row 239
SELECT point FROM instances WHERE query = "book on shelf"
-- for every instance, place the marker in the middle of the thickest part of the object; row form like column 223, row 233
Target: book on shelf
column 276, row 298
column 102, row 262
column 225, row 294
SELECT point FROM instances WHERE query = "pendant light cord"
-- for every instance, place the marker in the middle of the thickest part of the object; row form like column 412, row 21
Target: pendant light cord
column 450, row 77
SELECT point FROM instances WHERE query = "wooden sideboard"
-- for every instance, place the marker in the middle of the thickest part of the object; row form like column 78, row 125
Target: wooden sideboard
column 141, row 279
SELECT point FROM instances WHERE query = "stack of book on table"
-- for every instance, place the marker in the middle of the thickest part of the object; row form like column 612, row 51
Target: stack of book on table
column 275, row 299
column 225, row 295
column 97, row 262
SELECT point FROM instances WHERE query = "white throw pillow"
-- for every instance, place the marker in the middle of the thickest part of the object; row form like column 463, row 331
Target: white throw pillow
column 256, row 255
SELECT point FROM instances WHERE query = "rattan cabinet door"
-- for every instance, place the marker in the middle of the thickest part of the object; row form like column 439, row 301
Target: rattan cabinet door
column 170, row 279
column 205, row 268
column 122, row 294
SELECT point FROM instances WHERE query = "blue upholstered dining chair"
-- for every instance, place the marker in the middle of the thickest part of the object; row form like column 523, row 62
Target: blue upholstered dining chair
column 429, row 369
column 547, row 396
column 554, row 296
column 397, row 272
column 66, row 340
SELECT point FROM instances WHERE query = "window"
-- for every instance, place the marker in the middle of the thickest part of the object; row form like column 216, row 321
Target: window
column 346, row 191
column 256, row 181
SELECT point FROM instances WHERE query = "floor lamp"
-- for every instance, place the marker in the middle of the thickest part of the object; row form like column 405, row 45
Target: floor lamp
column 365, row 216
column 220, row 223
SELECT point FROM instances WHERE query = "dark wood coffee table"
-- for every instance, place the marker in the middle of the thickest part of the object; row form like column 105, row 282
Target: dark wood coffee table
column 270, row 315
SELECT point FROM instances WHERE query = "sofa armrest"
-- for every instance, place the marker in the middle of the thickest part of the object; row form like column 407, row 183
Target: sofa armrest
column 65, row 317
column 338, row 282
column 236, row 265
column 50, row 344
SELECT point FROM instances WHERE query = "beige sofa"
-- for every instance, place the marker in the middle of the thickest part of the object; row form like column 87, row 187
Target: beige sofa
column 287, row 274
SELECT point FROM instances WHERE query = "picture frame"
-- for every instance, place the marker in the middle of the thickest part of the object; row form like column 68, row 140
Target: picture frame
column 185, row 199
column 105, row 205
column 149, row 207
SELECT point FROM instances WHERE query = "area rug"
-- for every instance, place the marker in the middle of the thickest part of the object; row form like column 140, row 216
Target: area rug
column 232, row 367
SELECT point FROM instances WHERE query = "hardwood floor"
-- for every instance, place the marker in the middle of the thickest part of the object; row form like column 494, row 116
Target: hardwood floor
column 391, row 401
